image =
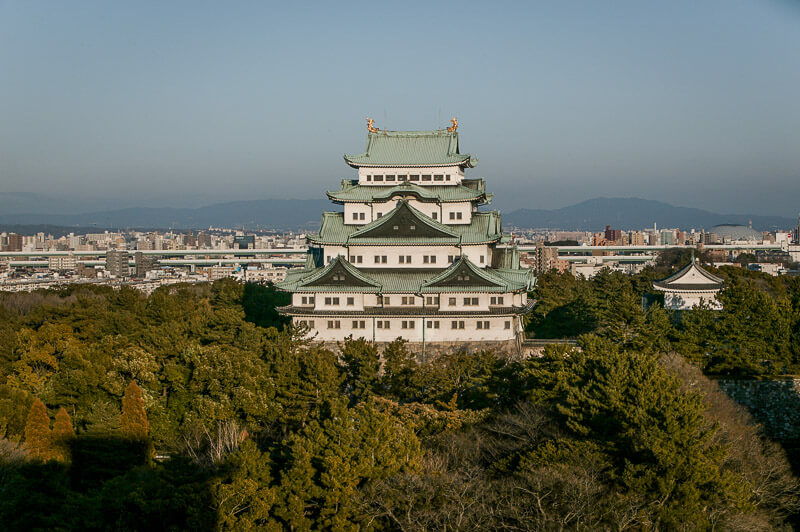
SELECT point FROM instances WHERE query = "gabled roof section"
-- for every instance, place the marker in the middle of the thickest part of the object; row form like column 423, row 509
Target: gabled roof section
column 404, row 221
column 351, row 191
column 691, row 277
column 412, row 148
column 339, row 273
column 484, row 227
column 463, row 273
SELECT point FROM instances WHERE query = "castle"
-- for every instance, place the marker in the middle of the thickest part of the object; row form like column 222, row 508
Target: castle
column 411, row 255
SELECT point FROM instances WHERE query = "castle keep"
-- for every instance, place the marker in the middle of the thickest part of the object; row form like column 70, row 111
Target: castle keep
column 411, row 255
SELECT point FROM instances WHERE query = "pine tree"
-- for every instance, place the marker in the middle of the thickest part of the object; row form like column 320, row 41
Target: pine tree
column 63, row 434
column 134, row 419
column 38, row 435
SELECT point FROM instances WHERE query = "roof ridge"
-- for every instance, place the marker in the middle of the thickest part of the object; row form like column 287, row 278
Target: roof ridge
column 403, row 203
column 339, row 260
column 464, row 260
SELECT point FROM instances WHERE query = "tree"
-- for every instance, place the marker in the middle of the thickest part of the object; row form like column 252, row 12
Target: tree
column 134, row 419
column 361, row 364
column 38, row 435
column 63, row 434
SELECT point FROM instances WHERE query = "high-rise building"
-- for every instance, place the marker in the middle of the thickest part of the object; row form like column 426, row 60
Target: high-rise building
column 411, row 256
column 142, row 264
column 117, row 263
column 14, row 242
column 612, row 235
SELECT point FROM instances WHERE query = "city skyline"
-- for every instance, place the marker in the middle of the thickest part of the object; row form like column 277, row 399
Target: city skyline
column 187, row 105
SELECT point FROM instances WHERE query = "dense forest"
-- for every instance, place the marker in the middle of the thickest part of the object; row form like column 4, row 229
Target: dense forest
column 198, row 407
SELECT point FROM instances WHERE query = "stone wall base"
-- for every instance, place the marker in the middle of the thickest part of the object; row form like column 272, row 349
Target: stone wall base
column 509, row 349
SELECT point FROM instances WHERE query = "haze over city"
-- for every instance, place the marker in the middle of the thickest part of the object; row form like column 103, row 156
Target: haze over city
column 185, row 104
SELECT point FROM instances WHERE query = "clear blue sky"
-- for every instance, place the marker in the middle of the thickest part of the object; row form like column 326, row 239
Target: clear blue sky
column 186, row 103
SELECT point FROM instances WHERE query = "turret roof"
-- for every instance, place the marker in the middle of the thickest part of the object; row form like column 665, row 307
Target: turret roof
column 412, row 148
column 690, row 278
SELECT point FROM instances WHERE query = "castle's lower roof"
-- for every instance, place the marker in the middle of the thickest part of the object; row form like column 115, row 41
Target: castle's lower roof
column 460, row 277
column 388, row 312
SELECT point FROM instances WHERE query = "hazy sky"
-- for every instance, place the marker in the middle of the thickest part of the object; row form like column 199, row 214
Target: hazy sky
column 185, row 103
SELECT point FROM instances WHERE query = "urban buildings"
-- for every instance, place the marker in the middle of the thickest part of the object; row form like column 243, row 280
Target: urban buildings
column 411, row 255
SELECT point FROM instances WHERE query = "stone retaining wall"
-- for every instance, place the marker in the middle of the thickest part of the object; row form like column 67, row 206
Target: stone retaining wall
column 505, row 348
column 773, row 403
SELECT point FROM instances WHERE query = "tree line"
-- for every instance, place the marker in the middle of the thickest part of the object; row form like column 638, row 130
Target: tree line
column 198, row 407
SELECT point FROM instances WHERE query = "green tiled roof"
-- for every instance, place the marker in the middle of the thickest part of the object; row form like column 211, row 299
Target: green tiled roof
column 412, row 148
column 351, row 191
column 405, row 280
column 417, row 311
column 484, row 227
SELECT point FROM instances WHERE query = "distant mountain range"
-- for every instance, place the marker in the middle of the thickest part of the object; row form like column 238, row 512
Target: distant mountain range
column 635, row 213
column 590, row 215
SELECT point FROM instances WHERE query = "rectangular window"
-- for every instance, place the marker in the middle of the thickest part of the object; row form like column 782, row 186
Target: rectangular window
column 377, row 259
column 351, row 301
column 474, row 300
column 447, row 177
column 438, row 177
column 355, row 216
column 481, row 259
column 452, row 216
column 359, row 324
column 389, row 178
column 304, row 300
column 369, row 178
column 457, row 324
column 402, row 177
column 485, row 324
column 379, row 325
column 335, row 300
column 311, row 323
column 458, row 215
column 433, row 324
column 386, row 300
column 362, row 216
column 377, row 178
column 452, row 302
column 480, row 325
column 413, row 178
column 435, row 216
column 311, row 300
column 426, row 177
column 450, row 259
column 386, row 324
column 432, row 300
column 508, row 325
column 334, row 324
column 499, row 300
column 425, row 259
column 404, row 324
column 327, row 301
column 383, row 259
column 379, row 215
column 355, row 324
column 433, row 259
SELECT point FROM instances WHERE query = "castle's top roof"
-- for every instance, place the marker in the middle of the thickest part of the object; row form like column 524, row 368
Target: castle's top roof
column 412, row 148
